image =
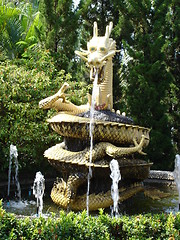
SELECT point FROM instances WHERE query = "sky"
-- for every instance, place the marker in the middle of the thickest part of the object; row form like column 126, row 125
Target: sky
column 76, row 2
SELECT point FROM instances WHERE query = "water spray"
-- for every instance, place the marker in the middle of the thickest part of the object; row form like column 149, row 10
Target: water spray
column 38, row 191
column 13, row 156
column 116, row 177
column 177, row 174
column 93, row 102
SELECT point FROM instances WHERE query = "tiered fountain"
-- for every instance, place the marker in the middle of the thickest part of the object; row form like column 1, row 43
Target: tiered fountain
column 114, row 137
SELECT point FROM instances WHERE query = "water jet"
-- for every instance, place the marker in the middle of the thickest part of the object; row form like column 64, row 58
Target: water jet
column 116, row 177
column 13, row 156
column 177, row 174
column 38, row 191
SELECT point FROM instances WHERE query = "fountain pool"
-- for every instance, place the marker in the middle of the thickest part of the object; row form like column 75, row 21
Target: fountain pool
column 28, row 204
column 138, row 204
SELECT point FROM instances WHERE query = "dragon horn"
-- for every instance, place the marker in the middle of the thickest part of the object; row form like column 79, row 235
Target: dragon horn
column 109, row 29
column 95, row 30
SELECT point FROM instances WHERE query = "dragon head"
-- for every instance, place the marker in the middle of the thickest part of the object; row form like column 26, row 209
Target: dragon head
column 100, row 49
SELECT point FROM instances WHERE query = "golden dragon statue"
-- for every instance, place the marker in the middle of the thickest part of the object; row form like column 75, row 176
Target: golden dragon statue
column 114, row 136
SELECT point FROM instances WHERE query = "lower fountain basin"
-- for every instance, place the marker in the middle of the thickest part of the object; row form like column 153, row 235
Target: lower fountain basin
column 138, row 204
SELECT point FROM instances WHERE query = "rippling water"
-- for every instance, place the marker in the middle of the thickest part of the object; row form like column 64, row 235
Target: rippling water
column 138, row 204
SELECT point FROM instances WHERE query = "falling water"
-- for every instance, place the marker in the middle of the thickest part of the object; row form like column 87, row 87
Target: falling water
column 14, row 155
column 38, row 191
column 177, row 174
column 116, row 177
column 93, row 101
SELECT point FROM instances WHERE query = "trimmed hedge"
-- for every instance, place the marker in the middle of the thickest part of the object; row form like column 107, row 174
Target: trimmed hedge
column 80, row 226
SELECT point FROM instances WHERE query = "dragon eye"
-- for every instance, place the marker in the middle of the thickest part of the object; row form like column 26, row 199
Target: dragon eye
column 102, row 49
column 92, row 49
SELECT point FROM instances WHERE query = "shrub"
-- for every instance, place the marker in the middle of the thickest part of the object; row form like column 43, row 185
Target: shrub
column 80, row 226
column 23, row 84
column 22, row 123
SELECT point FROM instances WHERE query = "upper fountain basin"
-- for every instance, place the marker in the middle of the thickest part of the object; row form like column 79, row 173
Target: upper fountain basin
column 78, row 127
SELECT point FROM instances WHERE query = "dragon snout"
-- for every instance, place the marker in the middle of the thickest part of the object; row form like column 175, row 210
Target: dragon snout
column 94, row 61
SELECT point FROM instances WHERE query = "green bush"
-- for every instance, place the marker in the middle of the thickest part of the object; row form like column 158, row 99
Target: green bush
column 22, row 123
column 80, row 226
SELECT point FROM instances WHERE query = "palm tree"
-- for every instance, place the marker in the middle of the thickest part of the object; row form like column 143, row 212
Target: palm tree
column 10, row 28
column 20, row 28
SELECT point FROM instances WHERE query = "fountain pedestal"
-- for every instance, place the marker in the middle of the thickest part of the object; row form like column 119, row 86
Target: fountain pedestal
column 72, row 159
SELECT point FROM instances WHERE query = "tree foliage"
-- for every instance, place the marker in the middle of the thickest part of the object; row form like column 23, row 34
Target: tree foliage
column 172, row 53
column 60, row 21
column 144, row 29
column 22, row 123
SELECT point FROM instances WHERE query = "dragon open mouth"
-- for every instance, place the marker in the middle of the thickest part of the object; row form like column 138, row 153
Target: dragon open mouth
column 100, row 70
